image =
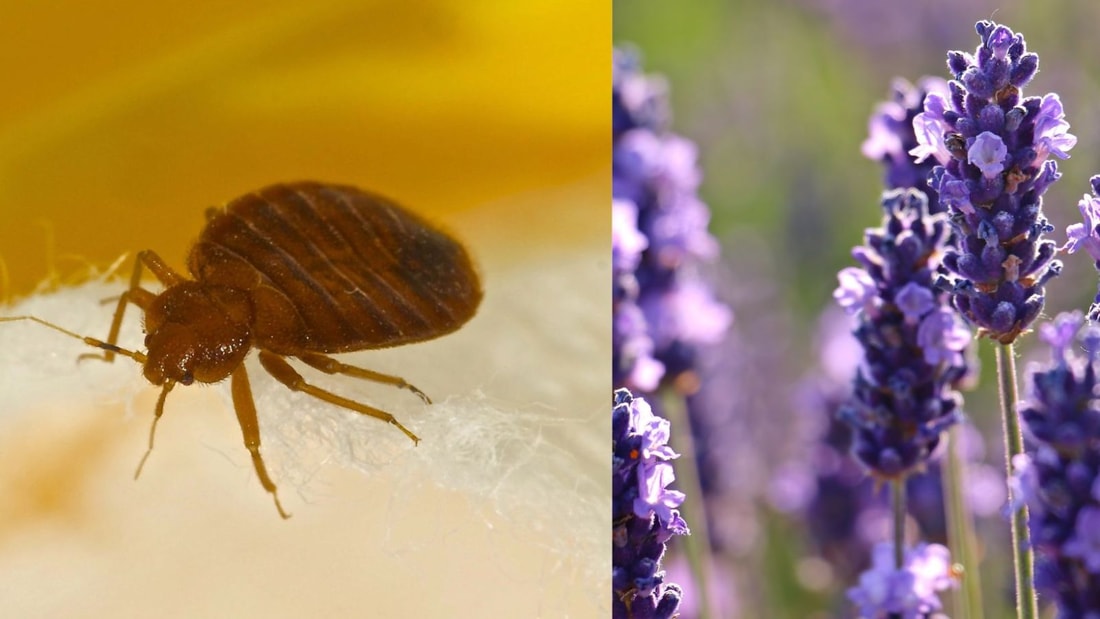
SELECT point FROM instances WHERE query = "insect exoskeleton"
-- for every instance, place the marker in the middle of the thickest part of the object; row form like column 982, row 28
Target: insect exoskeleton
column 296, row 270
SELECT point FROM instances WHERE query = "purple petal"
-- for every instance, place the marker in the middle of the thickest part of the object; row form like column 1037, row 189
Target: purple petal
column 1085, row 543
column 856, row 291
column 929, row 131
column 627, row 243
column 914, row 301
column 988, row 152
column 942, row 336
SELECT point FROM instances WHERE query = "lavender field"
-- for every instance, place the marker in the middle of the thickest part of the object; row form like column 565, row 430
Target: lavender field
column 853, row 253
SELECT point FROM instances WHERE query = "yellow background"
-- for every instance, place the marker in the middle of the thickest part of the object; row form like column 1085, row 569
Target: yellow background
column 121, row 122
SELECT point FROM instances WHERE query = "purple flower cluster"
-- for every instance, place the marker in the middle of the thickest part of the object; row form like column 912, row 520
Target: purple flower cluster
column 994, row 149
column 891, row 137
column 1086, row 235
column 662, row 310
column 847, row 513
column 644, row 514
column 1059, row 476
column 886, row 592
column 903, row 395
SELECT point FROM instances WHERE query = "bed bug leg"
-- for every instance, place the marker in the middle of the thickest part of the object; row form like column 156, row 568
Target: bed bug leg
column 332, row 366
column 250, row 427
column 287, row 375
column 153, row 430
column 137, row 295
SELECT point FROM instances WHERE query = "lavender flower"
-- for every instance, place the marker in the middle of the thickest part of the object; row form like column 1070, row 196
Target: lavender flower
column 847, row 513
column 903, row 396
column 891, row 137
column 1086, row 235
column 1059, row 476
column 637, row 100
column 993, row 147
column 842, row 514
column 886, row 592
column 644, row 514
column 662, row 310
column 857, row 291
column 845, row 516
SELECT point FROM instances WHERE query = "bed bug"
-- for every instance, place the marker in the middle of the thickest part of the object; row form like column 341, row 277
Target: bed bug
column 298, row 270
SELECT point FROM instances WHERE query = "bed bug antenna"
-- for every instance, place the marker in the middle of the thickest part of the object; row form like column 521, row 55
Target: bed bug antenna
column 90, row 341
column 265, row 480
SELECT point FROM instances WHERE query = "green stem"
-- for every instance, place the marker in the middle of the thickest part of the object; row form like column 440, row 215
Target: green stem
column 697, row 545
column 898, row 487
column 1026, row 607
column 963, row 541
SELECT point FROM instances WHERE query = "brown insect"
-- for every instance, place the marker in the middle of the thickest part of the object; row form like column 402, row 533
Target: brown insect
column 298, row 270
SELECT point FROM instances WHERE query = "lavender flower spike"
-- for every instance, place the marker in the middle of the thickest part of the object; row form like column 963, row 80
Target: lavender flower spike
column 994, row 147
column 1059, row 476
column 644, row 514
column 662, row 310
column 885, row 592
column 912, row 340
column 891, row 137
column 1086, row 235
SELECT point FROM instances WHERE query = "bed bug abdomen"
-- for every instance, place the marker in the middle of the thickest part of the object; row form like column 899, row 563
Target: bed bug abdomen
column 334, row 269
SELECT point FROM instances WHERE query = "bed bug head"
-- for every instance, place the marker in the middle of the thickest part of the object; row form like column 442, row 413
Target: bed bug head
column 196, row 332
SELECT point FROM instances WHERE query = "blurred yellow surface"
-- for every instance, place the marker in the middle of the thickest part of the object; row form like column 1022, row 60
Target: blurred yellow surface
column 122, row 122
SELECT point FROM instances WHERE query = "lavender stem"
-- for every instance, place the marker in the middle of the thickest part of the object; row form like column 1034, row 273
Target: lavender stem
column 1023, row 558
column 697, row 545
column 968, row 603
column 898, row 493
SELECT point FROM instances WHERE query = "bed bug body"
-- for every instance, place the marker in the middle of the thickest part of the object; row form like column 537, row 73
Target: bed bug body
column 297, row 270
